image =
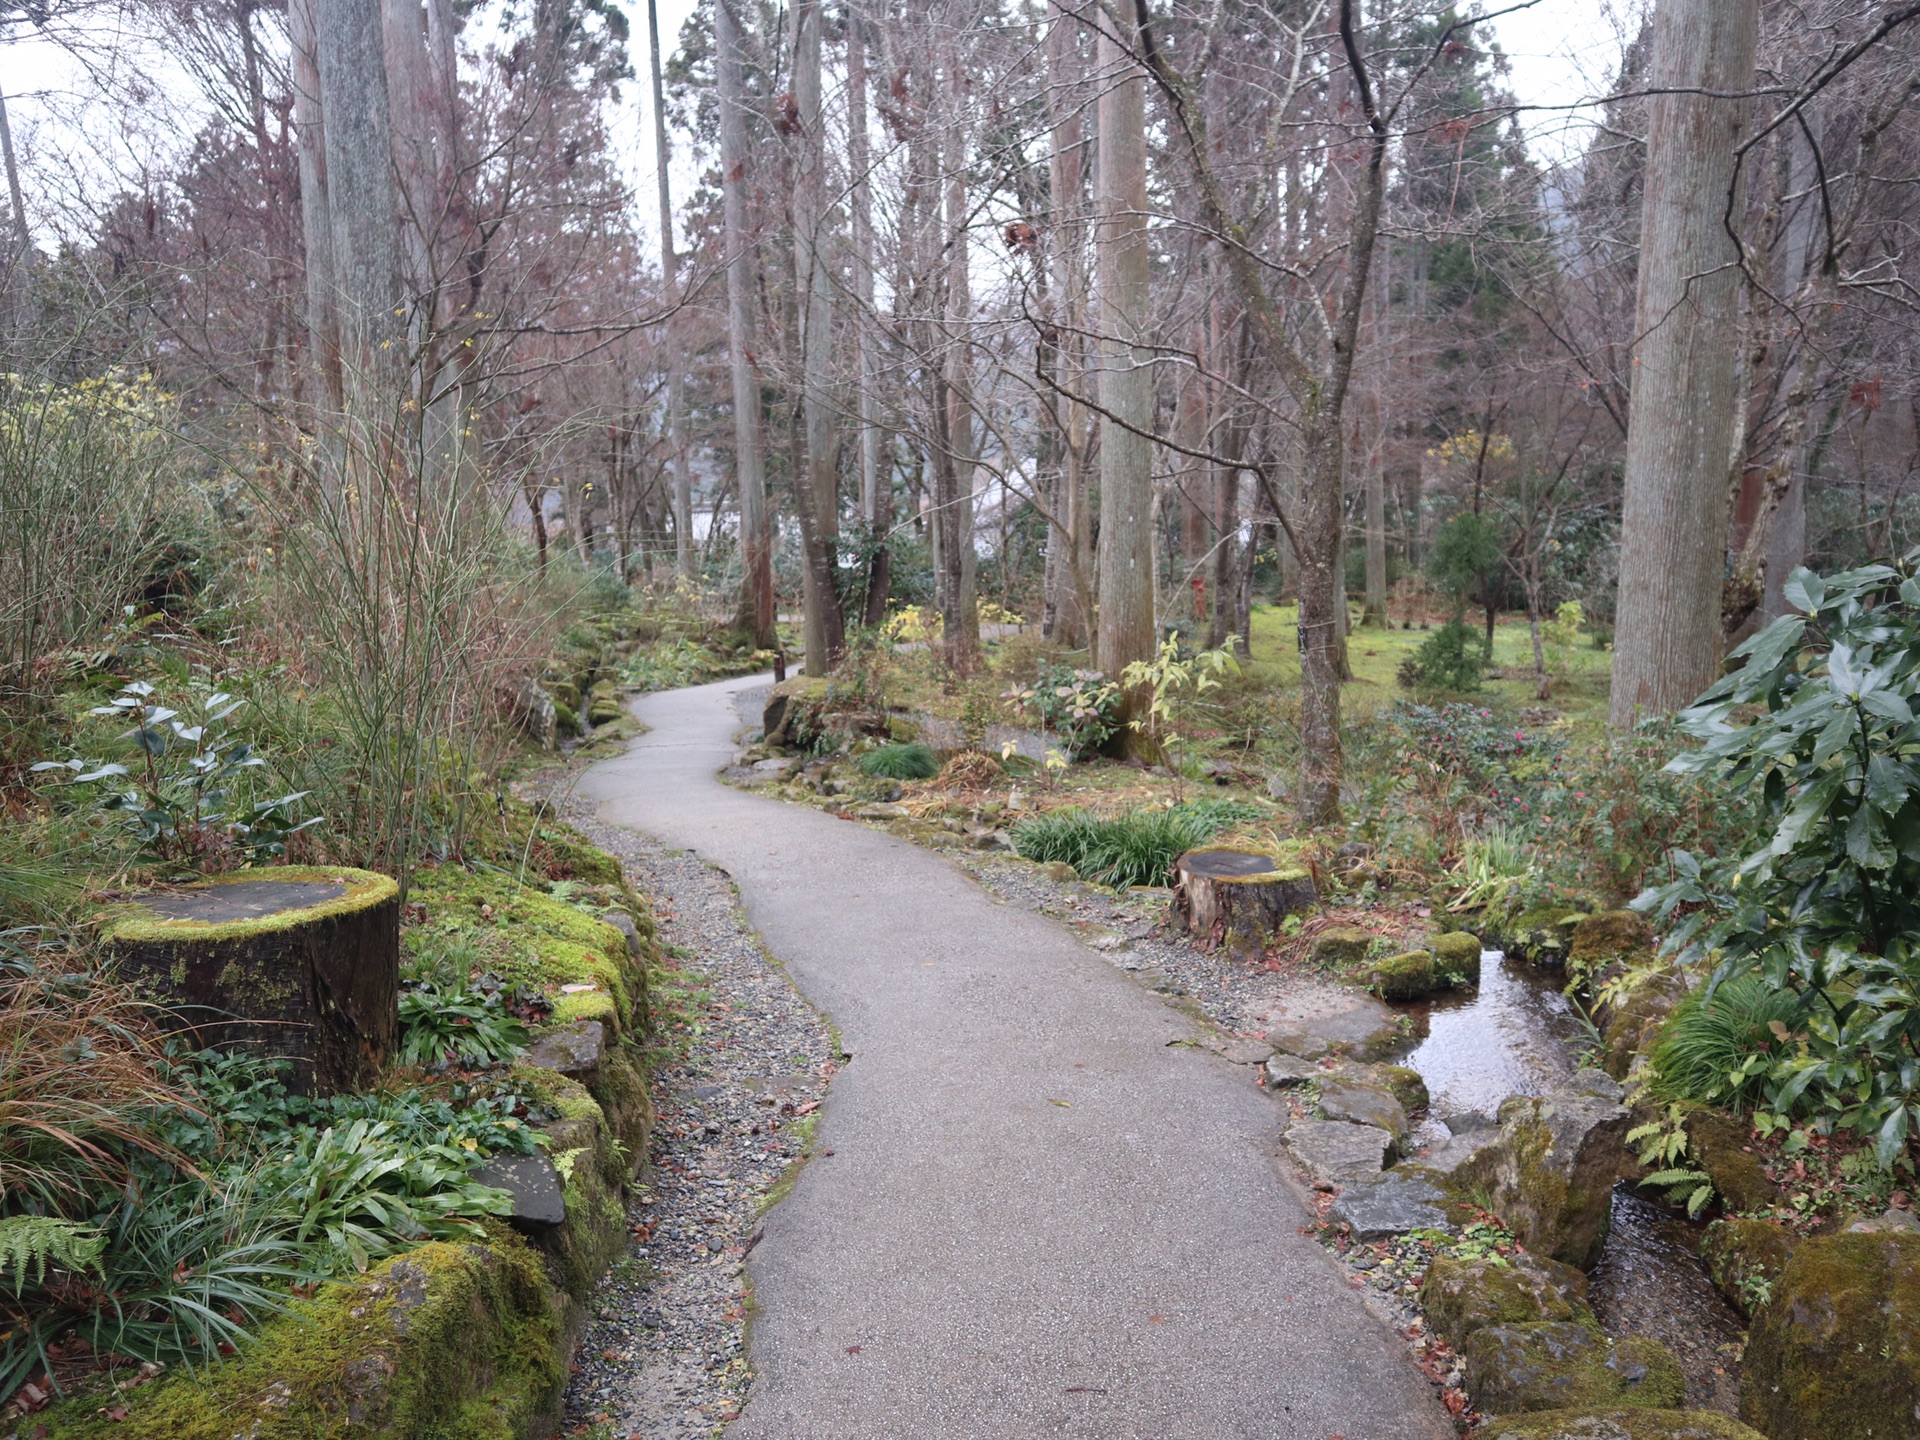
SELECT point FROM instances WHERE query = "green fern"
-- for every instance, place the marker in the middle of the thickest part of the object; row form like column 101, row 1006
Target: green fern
column 1662, row 1148
column 36, row 1240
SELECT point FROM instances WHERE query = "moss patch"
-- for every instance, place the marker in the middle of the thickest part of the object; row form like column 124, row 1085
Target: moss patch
column 1835, row 1354
column 1407, row 976
column 1462, row 1296
column 1341, row 947
column 1745, row 1258
column 1619, row 1425
column 1568, row 1365
column 365, row 889
column 1613, row 937
column 1456, row 958
column 1541, row 936
column 445, row 1342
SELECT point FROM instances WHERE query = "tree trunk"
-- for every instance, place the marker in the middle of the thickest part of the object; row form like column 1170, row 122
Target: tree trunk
column 291, row 962
column 1124, row 277
column 960, row 617
column 669, row 286
column 323, row 313
column 1681, row 414
column 876, row 511
column 350, row 51
column 1070, row 552
column 817, row 487
column 756, row 545
column 1237, row 898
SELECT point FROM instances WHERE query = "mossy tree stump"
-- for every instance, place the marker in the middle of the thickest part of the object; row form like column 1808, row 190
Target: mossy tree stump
column 1237, row 897
column 301, row 962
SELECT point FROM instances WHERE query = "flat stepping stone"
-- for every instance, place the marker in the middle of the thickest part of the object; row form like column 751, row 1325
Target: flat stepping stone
column 1366, row 1028
column 1364, row 1105
column 574, row 1051
column 1337, row 1152
column 539, row 1199
column 1289, row 1072
column 1239, row 1051
column 1391, row 1205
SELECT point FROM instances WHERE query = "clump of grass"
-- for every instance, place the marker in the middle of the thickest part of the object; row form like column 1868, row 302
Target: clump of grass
column 1137, row 848
column 912, row 761
column 1700, row 1054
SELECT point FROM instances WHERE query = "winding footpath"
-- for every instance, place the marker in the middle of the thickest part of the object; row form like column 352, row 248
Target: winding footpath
column 1030, row 1213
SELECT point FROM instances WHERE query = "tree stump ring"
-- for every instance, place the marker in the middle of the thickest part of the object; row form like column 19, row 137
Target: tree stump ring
column 300, row 962
column 1238, row 898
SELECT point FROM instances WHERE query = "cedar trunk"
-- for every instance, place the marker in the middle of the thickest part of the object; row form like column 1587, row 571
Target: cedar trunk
column 1681, row 416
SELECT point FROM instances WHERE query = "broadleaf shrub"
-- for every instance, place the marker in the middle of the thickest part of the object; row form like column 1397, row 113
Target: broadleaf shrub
column 1818, row 727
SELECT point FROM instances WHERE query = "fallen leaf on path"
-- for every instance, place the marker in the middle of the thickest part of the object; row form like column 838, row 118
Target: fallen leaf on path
column 1063, row 1104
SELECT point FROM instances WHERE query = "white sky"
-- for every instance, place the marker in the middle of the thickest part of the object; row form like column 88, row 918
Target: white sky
column 1562, row 52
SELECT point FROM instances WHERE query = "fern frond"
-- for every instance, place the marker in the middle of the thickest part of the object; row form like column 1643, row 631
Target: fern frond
column 36, row 1240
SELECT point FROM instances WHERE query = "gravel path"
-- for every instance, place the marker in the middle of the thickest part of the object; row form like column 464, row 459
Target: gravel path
column 662, row 1355
column 1047, row 1214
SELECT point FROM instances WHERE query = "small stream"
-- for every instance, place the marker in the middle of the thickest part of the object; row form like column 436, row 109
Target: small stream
column 1518, row 1035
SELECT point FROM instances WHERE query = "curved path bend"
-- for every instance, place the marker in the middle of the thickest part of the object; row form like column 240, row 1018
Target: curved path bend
column 1028, row 1215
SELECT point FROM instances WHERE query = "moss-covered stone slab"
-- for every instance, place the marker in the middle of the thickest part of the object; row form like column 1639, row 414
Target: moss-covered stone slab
column 1462, row 1296
column 1551, row 1173
column 1722, row 1146
column 1456, row 959
column 1611, row 938
column 1835, row 1354
column 1541, row 936
column 1619, row 1425
column 1341, row 948
column 1406, row 976
column 446, row 1340
column 1363, row 1028
column 1745, row 1258
column 1568, row 1365
column 296, row 962
column 1364, row 1105
column 1629, row 1027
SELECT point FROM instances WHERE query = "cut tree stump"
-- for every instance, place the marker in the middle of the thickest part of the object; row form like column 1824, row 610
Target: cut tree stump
column 297, row 962
column 1237, row 898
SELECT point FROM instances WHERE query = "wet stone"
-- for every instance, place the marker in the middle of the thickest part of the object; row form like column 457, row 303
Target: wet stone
column 1286, row 1072
column 1364, row 1105
column 539, row 1202
column 575, row 1051
column 1337, row 1152
column 1391, row 1205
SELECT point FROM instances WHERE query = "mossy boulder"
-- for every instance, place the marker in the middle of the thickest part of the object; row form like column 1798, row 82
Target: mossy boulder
column 1835, row 1354
column 1619, row 1425
column 464, row 1340
column 1406, row 976
column 1551, row 1173
column 1541, row 936
column 1612, row 937
column 799, row 697
column 604, row 704
column 1628, row 1027
column 1568, row 1365
column 1403, row 1083
column 1341, row 948
column 1456, row 958
column 1462, row 1296
column 1721, row 1145
column 1745, row 1258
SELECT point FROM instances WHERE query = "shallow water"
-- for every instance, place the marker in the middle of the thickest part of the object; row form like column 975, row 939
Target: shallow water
column 1508, row 1037
column 1517, row 1035
column 1649, row 1282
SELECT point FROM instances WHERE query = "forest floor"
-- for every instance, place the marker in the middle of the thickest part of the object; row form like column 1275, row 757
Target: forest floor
column 1027, row 1199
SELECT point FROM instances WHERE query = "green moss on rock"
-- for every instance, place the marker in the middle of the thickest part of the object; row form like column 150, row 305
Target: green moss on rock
column 1613, row 937
column 1568, row 1365
column 1628, row 1028
column 1745, row 1258
column 1619, row 1425
column 1404, row 1084
column 1456, row 958
column 1542, row 936
column 445, row 1341
column 1341, row 948
column 1407, row 976
column 1720, row 1145
column 1462, row 1296
column 1835, row 1354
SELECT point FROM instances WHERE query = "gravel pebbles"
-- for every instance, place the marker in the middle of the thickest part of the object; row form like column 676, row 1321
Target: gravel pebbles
column 662, row 1357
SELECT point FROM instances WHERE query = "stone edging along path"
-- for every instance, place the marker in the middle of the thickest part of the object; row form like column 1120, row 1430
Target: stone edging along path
column 1030, row 1212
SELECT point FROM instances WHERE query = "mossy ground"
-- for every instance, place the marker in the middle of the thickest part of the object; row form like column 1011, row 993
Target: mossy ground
column 1619, row 1425
column 445, row 1342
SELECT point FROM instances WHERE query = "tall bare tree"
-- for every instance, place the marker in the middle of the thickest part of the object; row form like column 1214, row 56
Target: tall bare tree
column 683, row 555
